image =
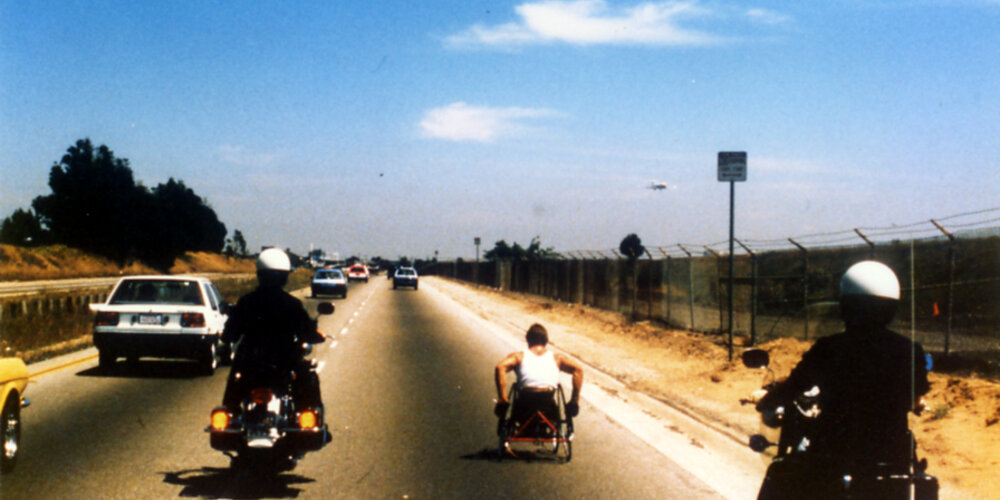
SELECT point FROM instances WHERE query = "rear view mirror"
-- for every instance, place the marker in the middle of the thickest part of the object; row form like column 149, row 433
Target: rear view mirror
column 325, row 308
column 756, row 358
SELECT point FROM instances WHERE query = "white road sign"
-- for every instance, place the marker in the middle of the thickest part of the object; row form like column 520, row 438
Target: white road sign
column 732, row 166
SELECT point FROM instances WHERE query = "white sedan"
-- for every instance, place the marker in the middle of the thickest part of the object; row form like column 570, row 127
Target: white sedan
column 162, row 316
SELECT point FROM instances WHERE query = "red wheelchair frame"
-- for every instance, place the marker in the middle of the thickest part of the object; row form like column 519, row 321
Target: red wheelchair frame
column 539, row 434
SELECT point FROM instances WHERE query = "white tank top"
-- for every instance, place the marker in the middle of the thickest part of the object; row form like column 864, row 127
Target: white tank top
column 538, row 371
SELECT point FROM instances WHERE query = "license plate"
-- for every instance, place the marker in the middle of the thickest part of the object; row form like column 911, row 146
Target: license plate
column 150, row 319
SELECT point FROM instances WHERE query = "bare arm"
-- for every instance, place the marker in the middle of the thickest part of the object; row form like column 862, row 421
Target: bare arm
column 576, row 370
column 500, row 376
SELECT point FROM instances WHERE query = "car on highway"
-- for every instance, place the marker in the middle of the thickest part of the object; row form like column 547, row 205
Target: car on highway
column 13, row 381
column 162, row 316
column 405, row 276
column 329, row 282
column 358, row 272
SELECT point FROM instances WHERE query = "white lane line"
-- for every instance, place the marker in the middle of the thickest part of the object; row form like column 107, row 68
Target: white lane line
column 333, row 343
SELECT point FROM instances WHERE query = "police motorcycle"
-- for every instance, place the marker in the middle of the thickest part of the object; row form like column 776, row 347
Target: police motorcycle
column 795, row 472
column 270, row 431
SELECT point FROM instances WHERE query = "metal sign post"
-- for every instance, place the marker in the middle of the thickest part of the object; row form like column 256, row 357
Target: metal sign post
column 732, row 168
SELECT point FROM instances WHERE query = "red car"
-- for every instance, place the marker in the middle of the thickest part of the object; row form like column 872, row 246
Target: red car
column 357, row 272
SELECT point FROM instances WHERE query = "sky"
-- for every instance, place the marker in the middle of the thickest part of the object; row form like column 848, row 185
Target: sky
column 375, row 128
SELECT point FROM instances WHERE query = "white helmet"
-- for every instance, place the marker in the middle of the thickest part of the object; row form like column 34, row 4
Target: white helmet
column 274, row 259
column 870, row 278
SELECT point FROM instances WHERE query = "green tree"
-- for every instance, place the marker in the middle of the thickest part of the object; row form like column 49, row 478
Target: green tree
column 502, row 251
column 193, row 223
column 97, row 206
column 237, row 245
column 23, row 228
column 631, row 247
column 95, row 203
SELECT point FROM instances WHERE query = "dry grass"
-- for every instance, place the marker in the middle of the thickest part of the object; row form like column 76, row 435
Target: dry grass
column 38, row 335
column 57, row 262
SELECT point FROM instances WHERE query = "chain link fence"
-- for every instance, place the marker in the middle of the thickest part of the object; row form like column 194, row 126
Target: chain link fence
column 949, row 271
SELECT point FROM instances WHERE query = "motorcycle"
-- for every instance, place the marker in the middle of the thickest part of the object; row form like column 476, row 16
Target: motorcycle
column 271, row 431
column 795, row 471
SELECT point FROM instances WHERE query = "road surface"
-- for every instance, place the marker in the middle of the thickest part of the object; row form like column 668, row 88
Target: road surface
column 407, row 381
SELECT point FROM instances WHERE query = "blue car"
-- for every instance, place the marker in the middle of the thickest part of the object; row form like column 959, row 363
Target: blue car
column 329, row 282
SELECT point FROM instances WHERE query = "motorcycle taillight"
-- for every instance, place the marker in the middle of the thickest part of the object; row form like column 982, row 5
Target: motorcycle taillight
column 308, row 419
column 220, row 419
column 261, row 395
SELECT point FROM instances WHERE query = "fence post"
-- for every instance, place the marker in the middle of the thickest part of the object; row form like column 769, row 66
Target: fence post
column 718, row 287
column 951, row 281
column 667, row 299
column 805, row 286
column 690, row 282
column 649, row 289
column 871, row 245
column 753, row 293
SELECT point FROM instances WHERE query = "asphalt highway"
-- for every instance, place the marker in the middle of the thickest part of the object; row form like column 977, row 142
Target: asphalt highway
column 407, row 382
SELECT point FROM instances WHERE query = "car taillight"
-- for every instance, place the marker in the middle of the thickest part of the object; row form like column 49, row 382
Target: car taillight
column 260, row 395
column 220, row 419
column 308, row 419
column 106, row 318
column 190, row 320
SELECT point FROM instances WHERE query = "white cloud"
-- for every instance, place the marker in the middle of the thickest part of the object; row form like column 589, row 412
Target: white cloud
column 591, row 22
column 460, row 122
column 765, row 16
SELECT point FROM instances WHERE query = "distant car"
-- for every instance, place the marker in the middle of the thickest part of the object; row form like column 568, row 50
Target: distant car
column 329, row 282
column 404, row 276
column 162, row 316
column 357, row 272
column 13, row 381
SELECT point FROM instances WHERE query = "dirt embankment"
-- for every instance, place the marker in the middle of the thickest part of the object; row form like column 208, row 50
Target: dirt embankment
column 959, row 434
column 61, row 262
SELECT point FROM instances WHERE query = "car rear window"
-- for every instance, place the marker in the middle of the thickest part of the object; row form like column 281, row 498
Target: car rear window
column 329, row 275
column 158, row 292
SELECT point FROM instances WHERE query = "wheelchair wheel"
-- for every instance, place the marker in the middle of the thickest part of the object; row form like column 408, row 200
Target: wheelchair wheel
column 505, row 428
column 564, row 436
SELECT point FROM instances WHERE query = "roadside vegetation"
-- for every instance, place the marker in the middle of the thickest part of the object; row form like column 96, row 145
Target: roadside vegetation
column 38, row 327
column 97, row 206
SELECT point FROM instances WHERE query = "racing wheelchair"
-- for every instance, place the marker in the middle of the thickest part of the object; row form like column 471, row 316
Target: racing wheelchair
column 536, row 424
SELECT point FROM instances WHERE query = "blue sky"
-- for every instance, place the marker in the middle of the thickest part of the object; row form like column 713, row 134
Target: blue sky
column 377, row 128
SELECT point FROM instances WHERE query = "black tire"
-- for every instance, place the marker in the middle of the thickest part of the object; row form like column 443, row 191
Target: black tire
column 10, row 433
column 106, row 360
column 211, row 360
column 228, row 354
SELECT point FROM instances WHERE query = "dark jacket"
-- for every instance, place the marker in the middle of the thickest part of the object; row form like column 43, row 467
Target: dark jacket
column 268, row 322
column 869, row 380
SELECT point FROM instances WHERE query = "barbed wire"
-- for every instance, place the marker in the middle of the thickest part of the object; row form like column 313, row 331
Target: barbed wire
column 986, row 223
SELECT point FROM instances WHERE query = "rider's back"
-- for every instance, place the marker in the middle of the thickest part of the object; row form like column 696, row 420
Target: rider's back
column 868, row 383
column 269, row 320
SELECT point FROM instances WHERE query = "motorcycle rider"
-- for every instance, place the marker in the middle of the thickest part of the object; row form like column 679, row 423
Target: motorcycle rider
column 271, row 324
column 869, row 378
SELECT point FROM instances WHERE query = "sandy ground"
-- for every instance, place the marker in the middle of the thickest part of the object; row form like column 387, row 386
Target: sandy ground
column 959, row 434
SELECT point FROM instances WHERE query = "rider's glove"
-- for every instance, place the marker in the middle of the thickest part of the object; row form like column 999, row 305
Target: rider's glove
column 501, row 409
column 572, row 409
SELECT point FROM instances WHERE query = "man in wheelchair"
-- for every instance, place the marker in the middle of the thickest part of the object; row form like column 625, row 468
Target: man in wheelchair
column 537, row 370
